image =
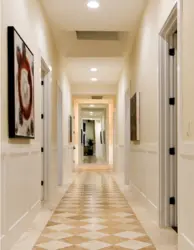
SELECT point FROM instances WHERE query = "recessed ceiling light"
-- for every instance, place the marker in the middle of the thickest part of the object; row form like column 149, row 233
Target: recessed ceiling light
column 94, row 79
column 91, row 105
column 93, row 4
column 93, row 69
column 91, row 113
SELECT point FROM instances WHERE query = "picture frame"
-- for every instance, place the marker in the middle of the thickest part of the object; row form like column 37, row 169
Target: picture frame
column 81, row 136
column 104, row 137
column 70, row 129
column 101, row 141
column 21, row 118
column 135, row 117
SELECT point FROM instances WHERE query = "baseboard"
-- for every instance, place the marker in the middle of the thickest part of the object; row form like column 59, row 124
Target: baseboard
column 185, row 243
column 145, row 202
column 17, row 229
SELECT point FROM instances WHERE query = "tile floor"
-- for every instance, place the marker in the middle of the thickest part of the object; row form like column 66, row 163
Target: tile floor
column 93, row 215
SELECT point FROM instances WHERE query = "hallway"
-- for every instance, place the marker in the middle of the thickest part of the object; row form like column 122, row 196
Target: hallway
column 94, row 214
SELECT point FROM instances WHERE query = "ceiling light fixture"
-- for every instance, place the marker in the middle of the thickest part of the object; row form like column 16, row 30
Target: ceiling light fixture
column 91, row 105
column 94, row 79
column 93, row 69
column 93, row 4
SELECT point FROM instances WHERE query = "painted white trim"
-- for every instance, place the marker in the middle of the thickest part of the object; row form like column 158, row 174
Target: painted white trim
column 186, row 150
column 12, row 149
column 163, row 97
column 150, row 148
column 11, row 235
column 188, row 240
column 47, row 125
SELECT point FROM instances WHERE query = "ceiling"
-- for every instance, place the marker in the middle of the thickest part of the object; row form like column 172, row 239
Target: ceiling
column 68, row 16
column 92, row 113
column 109, row 70
column 113, row 15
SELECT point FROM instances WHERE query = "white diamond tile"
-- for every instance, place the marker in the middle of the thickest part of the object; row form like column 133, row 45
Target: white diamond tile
column 94, row 220
column 129, row 235
column 93, row 235
column 133, row 244
column 123, row 214
column 60, row 227
column 94, row 245
column 54, row 245
column 93, row 227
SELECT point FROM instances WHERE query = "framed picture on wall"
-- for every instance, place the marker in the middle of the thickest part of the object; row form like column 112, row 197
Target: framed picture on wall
column 135, row 117
column 101, row 141
column 104, row 137
column 21, row 120
column 70, row 129
column 81, row 136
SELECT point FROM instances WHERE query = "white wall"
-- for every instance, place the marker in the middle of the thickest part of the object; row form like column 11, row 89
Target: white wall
column 144, row 167
column 20, row 159
column 66, row 111
column 123, row 85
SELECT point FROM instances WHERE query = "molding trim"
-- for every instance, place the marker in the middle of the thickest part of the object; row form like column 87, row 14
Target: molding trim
column 187, row 150
column 150, row 148
column 187, row 240
column 13, row 150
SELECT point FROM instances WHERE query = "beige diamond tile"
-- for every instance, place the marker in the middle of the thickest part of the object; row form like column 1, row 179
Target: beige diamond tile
column 112, row 239
column 111, row 230
column 76, row 240
column 76, row 231
column 73, row 248
column 57, row 235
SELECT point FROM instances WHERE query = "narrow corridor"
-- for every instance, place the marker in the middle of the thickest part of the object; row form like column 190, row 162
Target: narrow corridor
column 94, row 214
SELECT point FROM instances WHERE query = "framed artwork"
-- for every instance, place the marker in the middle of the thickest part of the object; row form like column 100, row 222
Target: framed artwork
column 70, row 129
column 135, row 119
column 81, row 136
column 84, row 139
column 104, row 137
column 21, row 120
column 101, row 137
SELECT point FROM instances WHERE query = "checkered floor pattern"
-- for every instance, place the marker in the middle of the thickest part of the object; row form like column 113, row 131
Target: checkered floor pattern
column 94, row 217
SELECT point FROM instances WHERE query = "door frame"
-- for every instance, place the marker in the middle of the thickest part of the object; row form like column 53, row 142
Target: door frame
column 164, row 171
column 46, row 129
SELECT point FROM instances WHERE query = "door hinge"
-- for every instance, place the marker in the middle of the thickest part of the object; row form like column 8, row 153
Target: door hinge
column 42, row 183
column 172, row 201
column 172, row 151
column 42, row 82
column 42, row 149
column 172, row 100
column 171, row 52
column 42, row 116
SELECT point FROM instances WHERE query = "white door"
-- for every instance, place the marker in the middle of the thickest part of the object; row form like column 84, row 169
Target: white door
column 173, row 129
column 60, row 135
column 114, row 142
column 43, row 137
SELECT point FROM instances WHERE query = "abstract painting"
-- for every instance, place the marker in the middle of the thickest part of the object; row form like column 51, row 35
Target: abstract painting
column 135, row 120
column 20, row 87
column 70, row 129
